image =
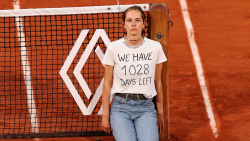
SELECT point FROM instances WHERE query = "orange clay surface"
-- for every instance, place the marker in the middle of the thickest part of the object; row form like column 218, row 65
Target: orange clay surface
column 222, row 34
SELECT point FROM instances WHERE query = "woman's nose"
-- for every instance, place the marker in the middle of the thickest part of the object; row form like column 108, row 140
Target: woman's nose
column 133, row 23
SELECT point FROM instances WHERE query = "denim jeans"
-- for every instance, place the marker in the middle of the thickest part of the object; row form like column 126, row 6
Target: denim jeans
column 133, row 120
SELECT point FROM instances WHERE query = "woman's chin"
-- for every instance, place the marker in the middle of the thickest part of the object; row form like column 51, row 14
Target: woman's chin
column 134, row 34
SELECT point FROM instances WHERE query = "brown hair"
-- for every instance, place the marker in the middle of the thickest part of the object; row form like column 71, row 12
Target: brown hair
column 137, row 8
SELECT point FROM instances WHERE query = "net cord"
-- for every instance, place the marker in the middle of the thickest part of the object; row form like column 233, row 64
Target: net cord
column 69, row 10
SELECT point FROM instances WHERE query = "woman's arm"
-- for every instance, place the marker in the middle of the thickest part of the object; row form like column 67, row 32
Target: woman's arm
column 158, row 85
column 106, row 97
column 159, row 97
column 106, row 89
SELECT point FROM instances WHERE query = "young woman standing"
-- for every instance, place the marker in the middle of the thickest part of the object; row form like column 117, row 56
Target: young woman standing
column 135, row 63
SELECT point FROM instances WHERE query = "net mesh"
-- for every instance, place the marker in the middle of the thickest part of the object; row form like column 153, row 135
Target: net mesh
column 48, row 41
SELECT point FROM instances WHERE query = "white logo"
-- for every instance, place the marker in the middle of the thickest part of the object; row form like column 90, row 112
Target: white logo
column 77, row 71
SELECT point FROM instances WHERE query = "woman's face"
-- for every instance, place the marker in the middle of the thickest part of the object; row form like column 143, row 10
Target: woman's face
column 133, row 23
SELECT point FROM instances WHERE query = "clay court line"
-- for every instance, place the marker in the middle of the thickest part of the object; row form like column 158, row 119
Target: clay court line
column 199, row 69
column 26, row 69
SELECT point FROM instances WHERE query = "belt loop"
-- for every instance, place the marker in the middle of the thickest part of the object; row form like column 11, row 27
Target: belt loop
column 138, row 99
column 126, row 96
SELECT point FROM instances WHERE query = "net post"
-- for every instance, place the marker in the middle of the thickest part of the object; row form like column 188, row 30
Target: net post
column 158, row 28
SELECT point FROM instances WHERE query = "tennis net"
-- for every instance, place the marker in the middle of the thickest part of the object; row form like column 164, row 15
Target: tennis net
column 51, row 73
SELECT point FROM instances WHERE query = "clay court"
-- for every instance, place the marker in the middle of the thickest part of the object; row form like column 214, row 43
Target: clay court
column 221, row 30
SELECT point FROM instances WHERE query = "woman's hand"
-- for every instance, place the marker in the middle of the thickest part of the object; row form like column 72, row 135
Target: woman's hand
column 160, row 122
column 106, row 124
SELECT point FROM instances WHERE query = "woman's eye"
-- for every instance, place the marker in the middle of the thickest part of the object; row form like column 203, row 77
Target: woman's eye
column 129, row 20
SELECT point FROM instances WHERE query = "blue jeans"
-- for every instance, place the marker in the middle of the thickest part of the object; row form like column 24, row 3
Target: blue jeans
column 133, row 120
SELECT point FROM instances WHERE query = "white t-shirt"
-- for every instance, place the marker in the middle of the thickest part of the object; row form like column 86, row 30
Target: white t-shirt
column 134, row 67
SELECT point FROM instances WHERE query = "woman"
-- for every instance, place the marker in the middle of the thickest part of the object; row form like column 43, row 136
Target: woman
column 136, row 63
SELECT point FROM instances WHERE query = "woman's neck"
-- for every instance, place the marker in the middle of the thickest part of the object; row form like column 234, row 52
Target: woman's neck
column 134, row 40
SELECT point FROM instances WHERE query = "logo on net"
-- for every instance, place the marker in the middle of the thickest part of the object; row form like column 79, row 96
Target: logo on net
column 77, row 70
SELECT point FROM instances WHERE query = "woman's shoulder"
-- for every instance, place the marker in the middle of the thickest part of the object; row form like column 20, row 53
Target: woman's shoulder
column 152, row 43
